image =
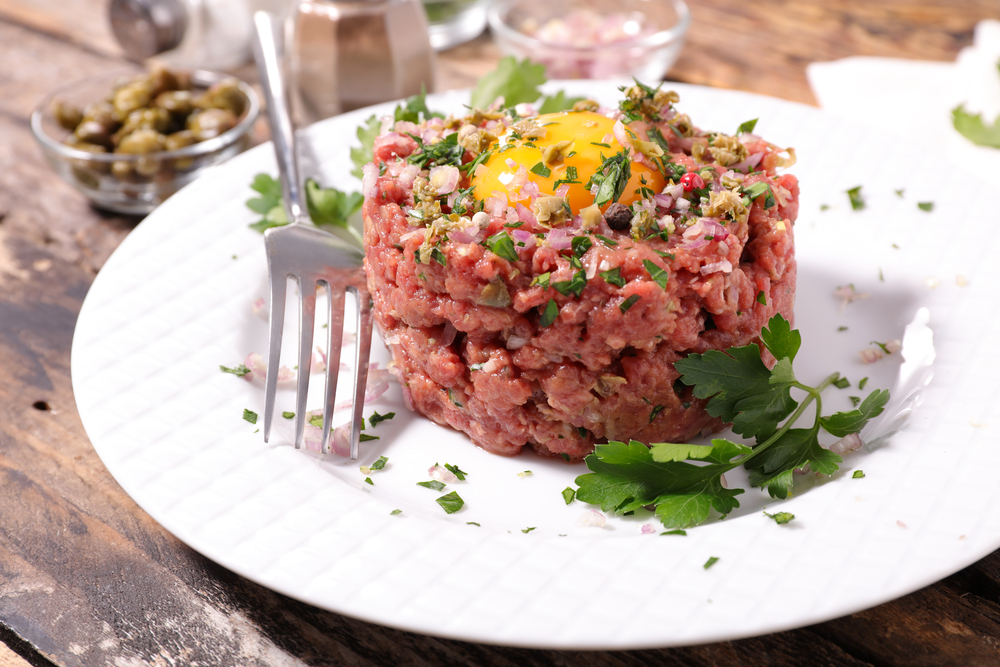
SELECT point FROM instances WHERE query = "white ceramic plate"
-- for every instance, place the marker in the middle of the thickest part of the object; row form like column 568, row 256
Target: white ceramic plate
column 175, row 301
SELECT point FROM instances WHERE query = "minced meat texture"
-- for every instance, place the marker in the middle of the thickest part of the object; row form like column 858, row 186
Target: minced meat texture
column 513, row 332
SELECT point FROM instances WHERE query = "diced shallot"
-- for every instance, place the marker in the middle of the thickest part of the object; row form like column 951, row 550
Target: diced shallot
column 442, row 474
column 444, row 179
column 591, row 519
column 725, row 266
column 369, row 181
column 849, row 443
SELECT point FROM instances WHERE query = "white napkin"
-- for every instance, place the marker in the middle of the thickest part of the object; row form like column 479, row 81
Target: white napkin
column 914, row 99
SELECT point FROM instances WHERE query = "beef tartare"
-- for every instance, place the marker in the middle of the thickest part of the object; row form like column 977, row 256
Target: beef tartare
column 536, row 278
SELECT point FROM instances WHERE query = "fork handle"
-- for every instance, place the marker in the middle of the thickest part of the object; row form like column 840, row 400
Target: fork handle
column 269, row 33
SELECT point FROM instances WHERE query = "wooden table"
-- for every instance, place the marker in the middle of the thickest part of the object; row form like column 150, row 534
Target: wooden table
column 87, row 578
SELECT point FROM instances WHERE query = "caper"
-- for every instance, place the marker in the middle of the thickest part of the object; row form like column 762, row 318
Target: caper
column 161, row 80
column 177, row 102
column 103, row 113
column 225, row 94
column 66, row 114
column 142, row 142
column 179, row 140
column 133, row 96
column 93, row 132
column 211, row 123
column 122, row 169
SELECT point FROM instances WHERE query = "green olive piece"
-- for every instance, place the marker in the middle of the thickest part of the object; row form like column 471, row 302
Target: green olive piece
column 211, row 123
column 133, row 96
column 149, row 119
column 67, row 115
column 142, row 142
column 178, row 102
column 225, row 94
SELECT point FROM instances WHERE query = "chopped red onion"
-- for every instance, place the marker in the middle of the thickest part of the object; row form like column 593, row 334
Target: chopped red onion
column 442, row 474
column 525, row 215
column 664, row 201
column 562, row 190
column 558, row 239
column 870, row 355
column 516, row 342
column 647, row 529
column 849, row 443
column 748, row 164
column 257, row 366
column 449, row 333
column 591, row 519
column 725, row 266
column 369, row 181
column 525, row 237
column 444, row 179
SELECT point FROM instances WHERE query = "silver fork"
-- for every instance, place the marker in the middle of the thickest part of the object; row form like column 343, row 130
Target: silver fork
column 312, row 258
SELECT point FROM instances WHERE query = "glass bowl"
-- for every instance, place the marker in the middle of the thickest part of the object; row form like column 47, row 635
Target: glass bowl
column 128, row 182
column 593, row 39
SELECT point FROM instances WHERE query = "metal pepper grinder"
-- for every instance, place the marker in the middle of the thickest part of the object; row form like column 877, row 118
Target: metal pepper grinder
column 348, row 54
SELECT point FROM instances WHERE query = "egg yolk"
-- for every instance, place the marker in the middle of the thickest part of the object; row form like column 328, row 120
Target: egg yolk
column 591, row 134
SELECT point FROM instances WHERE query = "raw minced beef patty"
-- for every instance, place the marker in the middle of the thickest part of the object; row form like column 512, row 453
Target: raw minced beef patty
column 518, row 313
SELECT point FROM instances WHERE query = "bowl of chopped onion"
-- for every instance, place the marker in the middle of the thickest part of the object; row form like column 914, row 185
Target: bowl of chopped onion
column 593, row 39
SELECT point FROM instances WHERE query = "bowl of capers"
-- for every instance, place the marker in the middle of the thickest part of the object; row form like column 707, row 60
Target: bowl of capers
column 129, row 141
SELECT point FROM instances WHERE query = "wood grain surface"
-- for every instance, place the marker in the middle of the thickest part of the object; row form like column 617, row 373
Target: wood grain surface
column 87, row 578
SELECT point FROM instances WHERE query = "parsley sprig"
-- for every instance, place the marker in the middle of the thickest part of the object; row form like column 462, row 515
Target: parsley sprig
column 684, row 482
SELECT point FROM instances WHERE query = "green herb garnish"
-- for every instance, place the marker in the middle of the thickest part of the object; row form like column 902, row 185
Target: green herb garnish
column 451, row 502
column 238, row 371
column 757, row 401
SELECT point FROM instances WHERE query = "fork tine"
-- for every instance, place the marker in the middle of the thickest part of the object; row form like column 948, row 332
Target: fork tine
column 276, row 322
column 334, row 341
column 361, row 355
column 307, row 320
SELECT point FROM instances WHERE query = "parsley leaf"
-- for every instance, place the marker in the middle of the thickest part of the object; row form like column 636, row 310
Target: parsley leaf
column 780, row 517
column 432, row 484
column 611, row 178
column 573, row 286
column 659, row 276
column 683, row 481
column 329, row 206
column 515, row 80
column 747, row 126
column 376, row 418
column 451, row 502
column 250, row 416
column 550, row 313
column 362, row 155
column 557, row 102
column 857, row 201
column 502, row 246
column 455, row 470
column 972, row 127
column 569, row 494
column 238, row 371
column 379, row 463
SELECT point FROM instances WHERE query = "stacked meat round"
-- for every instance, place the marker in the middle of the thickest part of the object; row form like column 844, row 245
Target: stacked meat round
column 522, row 312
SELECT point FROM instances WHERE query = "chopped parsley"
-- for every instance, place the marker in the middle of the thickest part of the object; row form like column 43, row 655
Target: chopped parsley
column 376, row 418
column 857, row 201
column 432, row 484
column 842, row 383
column 747, row 126
column 611, row 178
column 288, row 415
column 628, row 303
column 368, row 480
column 451, row 502
column 541, row 170
column 927, row 206
column 502, row 246
column 550, row 313
column 580, row 245
column 250, row 416
column 659, row 276
column 379, row 463
column 569, row 494
column 710, row 562
column 364, row 437
column 654, row 412
column 528, row 529
column 780, row 517
column 674, row 532
column 858, row 474
column 761, row 297
column 395, row 512
column 456, row 471
column 238, row 371
column 613, row 277
column 573, row 286
column 606, row 241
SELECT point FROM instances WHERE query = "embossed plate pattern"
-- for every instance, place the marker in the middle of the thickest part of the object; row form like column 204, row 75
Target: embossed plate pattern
column 165, row 312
